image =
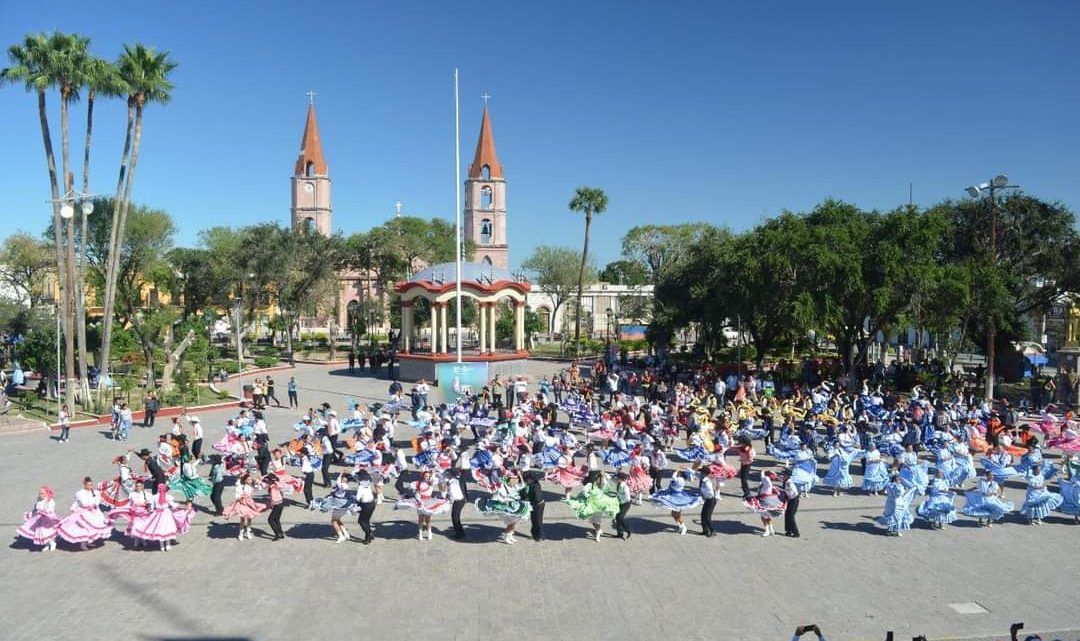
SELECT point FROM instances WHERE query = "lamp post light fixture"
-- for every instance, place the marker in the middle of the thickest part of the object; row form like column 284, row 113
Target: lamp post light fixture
column 239, row 351
column 990, row 188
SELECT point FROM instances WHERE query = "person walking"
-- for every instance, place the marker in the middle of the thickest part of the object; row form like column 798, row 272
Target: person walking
column 352, row 362
column 708, row 504
column 791, row 528
column 746, row 461
column 277, row 506
column 625, row 497
column 327, row 458
column 291, row 389
column 270, row 395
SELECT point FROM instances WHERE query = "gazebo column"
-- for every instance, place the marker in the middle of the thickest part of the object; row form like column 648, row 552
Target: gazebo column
column 519, row 326
column 406, row 326
column 434, row 328
column 483, row 327
column 445, row 329
column 492, row 319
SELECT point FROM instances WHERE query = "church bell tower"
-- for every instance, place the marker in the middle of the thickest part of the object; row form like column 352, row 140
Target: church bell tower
column 485, row 201
column 311, row 181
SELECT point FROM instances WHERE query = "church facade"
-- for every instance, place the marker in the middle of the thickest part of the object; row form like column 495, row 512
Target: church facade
column 484, row 215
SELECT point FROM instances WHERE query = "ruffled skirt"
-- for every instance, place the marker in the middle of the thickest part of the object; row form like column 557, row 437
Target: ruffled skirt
column 1065, row 443
column 1038, row 504
column 938, row 509
column 876, row 477
column 508, row 511
column 639, row 481
column 567, row 477
column 424, row 507
column 38, row 527
column 593, row 505
column 692, row 454
column 838, row 475
column 160, row 524
column 288, row 483
column 84, row 525
column 770, row 505
column 191, row 487
column 243, row 508
column 339, row 502
column 676, row 500
column 616, row 458
column 985, row 507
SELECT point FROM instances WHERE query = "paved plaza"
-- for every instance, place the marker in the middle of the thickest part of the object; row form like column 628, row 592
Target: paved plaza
column 844, row 574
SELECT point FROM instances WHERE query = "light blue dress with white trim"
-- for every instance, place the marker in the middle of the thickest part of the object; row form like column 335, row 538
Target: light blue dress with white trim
column 914, row 473
column 804, row 472
column 983, row 502
column 897, row 516
column 838, row 475
column 1039, row 502
column 938, row 507
column 1070, row 497
column 876, row 476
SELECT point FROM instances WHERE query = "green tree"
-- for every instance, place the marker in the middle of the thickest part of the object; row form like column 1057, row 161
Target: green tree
column 589, row 201
column 25, row 266
column 556, row 270
column 624, row 272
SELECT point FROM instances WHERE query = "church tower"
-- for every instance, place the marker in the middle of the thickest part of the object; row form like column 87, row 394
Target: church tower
column 485, row 201
column 311, row 181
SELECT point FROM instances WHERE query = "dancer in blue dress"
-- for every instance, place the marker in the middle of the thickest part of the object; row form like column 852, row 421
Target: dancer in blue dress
column 1070, row 495
column 804, row 472
column 912, row 471
column 838, row 477
column 876, row 474
column 999, row 463
column 938, row 507
column 1039, row 501
column 986, row 502
column 896, row 516
column 677, row 498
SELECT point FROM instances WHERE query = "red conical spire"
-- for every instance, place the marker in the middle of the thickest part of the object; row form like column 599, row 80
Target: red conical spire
column 311, row 148
column 485, row 152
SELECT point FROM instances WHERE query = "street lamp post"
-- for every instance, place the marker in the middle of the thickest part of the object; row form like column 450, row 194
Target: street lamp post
column 239, row 351
column 999, row 182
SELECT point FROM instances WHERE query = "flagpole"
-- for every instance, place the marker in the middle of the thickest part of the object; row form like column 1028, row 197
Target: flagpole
column 457, row 208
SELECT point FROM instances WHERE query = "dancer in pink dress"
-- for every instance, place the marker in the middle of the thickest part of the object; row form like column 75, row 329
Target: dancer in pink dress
column 164, row 522
column 288, row 484
column 424, row 501
column 566, row 473
column 244, row 507
column 40, row 524
column 139, row 503
column 638, row 481
column 85, row 523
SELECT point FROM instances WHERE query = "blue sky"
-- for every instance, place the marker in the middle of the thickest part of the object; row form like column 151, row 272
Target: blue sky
column 681, row 111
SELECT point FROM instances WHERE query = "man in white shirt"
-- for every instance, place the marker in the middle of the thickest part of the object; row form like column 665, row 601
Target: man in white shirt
column 196, row 435
column 720, row 389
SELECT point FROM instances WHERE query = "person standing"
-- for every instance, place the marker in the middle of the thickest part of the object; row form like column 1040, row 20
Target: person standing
column 352, row 362
column 217, row 481
column 270, row 395
column 291, row 389
column 196, row 436
column 125, row 421
column 455, row 491
column 277, row 506
column 791, row 528
column 150, row 409
column 308, row 470
column 708, row 504
column 327, row 457
column 423, row 389
column 65, row 424
column 746, row 461
column 365, row 496
column 535, row 495
column 625, row 497
column 153, row 468
column 496, row 391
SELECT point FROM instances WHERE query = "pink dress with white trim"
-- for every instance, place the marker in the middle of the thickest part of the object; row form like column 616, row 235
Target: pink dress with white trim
column 40, row 524
column 160, row 523
column 85, row 523
column 244, row 507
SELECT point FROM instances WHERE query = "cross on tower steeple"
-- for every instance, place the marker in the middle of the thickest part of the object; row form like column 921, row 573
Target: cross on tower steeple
column 485, row 96
column 311, row 97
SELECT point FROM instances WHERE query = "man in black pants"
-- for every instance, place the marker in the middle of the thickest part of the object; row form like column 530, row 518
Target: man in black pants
column 217, row 480
column 270, row 392
column 622, row 493
column 366, row 496
column 708, row 493
column 456, row 494
column 535, row 494
column 327, row 458
column 790, row 527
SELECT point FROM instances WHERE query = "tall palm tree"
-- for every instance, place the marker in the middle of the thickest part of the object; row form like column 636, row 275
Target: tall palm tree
column 99, row 78
column 40, row 63
column 590, row 201
column 143, row 73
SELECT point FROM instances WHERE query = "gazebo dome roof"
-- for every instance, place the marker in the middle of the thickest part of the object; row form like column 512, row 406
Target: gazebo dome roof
column 479, row 273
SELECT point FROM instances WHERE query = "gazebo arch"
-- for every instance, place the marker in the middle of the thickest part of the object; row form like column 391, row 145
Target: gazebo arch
column 483, row 283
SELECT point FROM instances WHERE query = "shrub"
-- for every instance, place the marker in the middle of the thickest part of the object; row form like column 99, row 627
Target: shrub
column 266, row 361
